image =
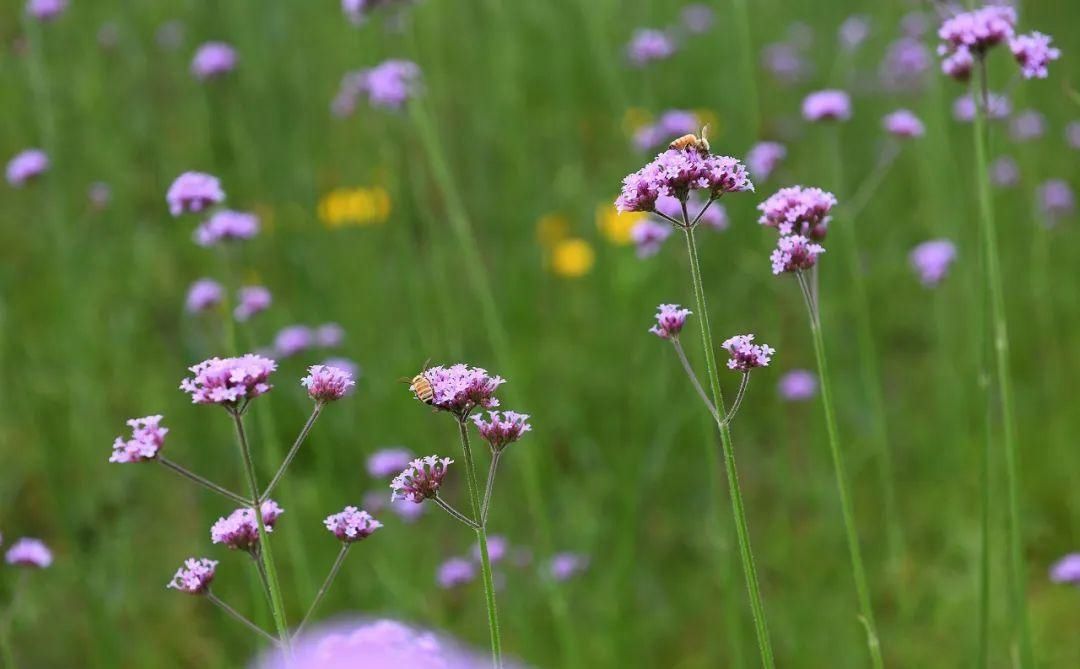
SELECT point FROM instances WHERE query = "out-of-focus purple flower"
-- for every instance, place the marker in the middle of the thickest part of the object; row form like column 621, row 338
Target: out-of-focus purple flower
column 213, row 60
column 502, row 428
column 649, row 236
column 226, row 381
column 29, row 552
column 388, row 85
column 99, row 195
column 977, row 30
column 421, row 479
column 671, row 124
column 406, row 510
column 903, row 123
column 147, row 438
column 498, row 547
column 1066, row 570
column 647, row 45
column 670, row 320
column 676, row 172
column 794, row 253
column 763, row 158
column 798, row 385
column 194, row 577
column 1072, row 134
column 564, row 566
column 853, row 32
column 204, row 294
column 329, row 335
column 914, row 24
column 227, row 225
column 1034, row 53
column 252, row 300
column 998, row 107
column 170, row 35
column 240, row 530
column 46, row 10
column 387, row 461
column 827, row 105
column 193, row 192
column 906, row 63
column 745, row 354
column 931, row 260
column 459, row 388
column 959, row 64
column 1027, row 125
column 785, row 62
column 326, row 384
column 26, row 165
column 292, row 340
column 454, row 572
column 351, row 524
column 1004, row 172
column 108, row 35
column 696, row 18
column 798, row 210
column 1056, row 200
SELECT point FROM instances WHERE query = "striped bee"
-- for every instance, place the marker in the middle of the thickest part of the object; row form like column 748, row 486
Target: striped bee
column 692, row 141
column 421, row 388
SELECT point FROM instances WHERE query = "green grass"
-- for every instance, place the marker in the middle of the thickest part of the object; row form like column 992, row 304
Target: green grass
column 526, row 100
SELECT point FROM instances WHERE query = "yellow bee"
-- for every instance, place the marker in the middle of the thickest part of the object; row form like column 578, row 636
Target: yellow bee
column 692, row 141
column 421, row 388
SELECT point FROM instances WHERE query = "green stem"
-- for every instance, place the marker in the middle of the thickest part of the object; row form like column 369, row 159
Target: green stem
column 742, row 529
column 747, row 59
column 6, row 651
column 1017, row 569
column 206, row 483
column 843, row 487
column 241, row 618
column 481, row 537
column 340, row 560
column 294, row 450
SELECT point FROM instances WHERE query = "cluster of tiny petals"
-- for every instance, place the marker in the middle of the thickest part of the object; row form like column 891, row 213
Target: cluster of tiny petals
column 387, row 461
column 798, row 210
column 648, row 45
column 745, row 354
column 240, row 529
column 147, row 438
column 676, row 172
column 352, row 524
column 502, row 427
column 388, row 85
column 25, row 166
column 29, row 552
column 226, row 381
column 421, row 479
column 1066, row 570
column 46, row 10
column 194, row 577
column 931, row 260
column 794, row 253
column 827, row 105
column 649, row 236
column 202, row 295
column 903, row 123
column 1033, row 52
column 977, row 30
column 460, row 388
column 764, row 157
column 670, row 319
column 212, row 60
column 252, row 300
column 227, row 225
column 193, row 192
column 326, row 384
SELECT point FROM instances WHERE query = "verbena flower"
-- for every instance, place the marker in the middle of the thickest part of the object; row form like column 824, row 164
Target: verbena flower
column 195, row 576
column 213, row 60
column 147, row 438
column 351, row 524
column 329, row 335
column 454, row 572
column 1056, row 200
column 252, row 300
column 227, row 381
column 998, row 107
column 764, row 157
column 745, row 354
column 502, row 428
column 794, row 253
column 1004, row 172
column 670, row 319
column 827, row 105
column 853, row 32
column 959, row 64
column 798, row 385
column 566, row 565
column 648, row 45
column 349, row 366
column 498, row 548
column 240, row 529
column 906, row 63
column 903, row 123
column 46, row 10
column 1034, row 53
column 459, row 388
column 203, row 295
column 1027, row 125
column 649, row 236
column 696, row 18
column 798, row 210
column 227, row 225
column 388, row 85
column 672, row 123
column 193, row 192
column 170, row 35
column 26, row 165
column 292, row 340
column 29, row 552
column 785, row 62
column 914, row 24
column 676, row 172
column 326, row 384
column 421, row 479
column 931, row 260
column 1066, row 570
column 977, row 30
column 387, row 461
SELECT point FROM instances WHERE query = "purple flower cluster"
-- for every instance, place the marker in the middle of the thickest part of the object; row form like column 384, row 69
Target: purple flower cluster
column 827, row 105
column 648, row 45
column 1034, row 53
column 998, row 107
column 696, row 18
column 905, row 65
column 367, row 644
column 46, row 10
column 903, row 123
column 745, row 354
column 671, row 124
column 1066, row 570
column 240, row 529
column 502, row 428
column 227, row 381
column 227, row 225
column 794, row 253
column 1027, row 125
column 564, row 566
column 1056, row 200
column 194, row 577
column 253, row 300
column 203, row 295
column 213, row 60
column 293, row 339
column 968, row 36
column 931, row 260
column 455, row 571
column 670, row 319
column 649, row 236
column 351, row 524
column 387, row 461
column 326, row 384
column 193, row 192
column 25, row 166
column 147, row 438
column 798, row 210
column 29, row 552
column 853, row 32
column 421, row 479
column 1004, row 172
column 459, row 388
column 676, row 172
column 798, row 385
column 785, row 62
column 764, row 157
column 388, row 85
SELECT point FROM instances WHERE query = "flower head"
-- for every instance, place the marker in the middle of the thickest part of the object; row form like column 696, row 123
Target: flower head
column 421, row 479
column 502, row 428
column 1066, row 570
column 46, row 10
column 388, row 85
column 785, row 62
column 454, row 572
column 227, row 225
column 26, row 165
column 977, row 30
column 326, row 384
column 1056, row 200
column 745, row 354
column 195, row 576
column 213, row 60
column 193, row 192
column 387, row 461
column 671, row 124
column 798, row 210
column 696, row 18
column 29, row 552
column 648, row 45
column 99, row 193
column 998, row 107
column 1034, row 53
column 252, row 300
column 670, row 319
column 292, row 340
column 227, row 381
column 906, row 63
column 1004, row 172
column 351, row 524
column 329, row 335
column 903, row 123
column 240, row 529
column 959, row 64
column 827, row 105
column 676, row 172
column 931, row 260
column 497, row 546
column 649, row 237
column 794, row 253
column 1027, row 125
column 147, row 438
column 853, row 32
column 798, row 385
column 764, row 157
column 203, row 295
column 459, row 388
column 564, row 566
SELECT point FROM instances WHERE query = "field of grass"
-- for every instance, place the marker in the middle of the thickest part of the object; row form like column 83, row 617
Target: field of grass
column 483, row 235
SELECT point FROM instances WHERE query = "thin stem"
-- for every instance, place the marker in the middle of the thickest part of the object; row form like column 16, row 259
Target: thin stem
column 294, row 450
column 1017, row 568
column 862, row 590
column 338, row 561
column 742, row 529
column 870, row 184
column 447, row 507
column 277, row 605
column 743, row 383
column 701, row 213
column 495, row 455
column 242, row 619
column 481, row 537
column 7, row 652
column 677, row 223
column 206, row 483
column 694, row 380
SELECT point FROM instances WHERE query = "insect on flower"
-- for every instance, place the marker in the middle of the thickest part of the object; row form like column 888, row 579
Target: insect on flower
column 421, row 387
column 692, row 141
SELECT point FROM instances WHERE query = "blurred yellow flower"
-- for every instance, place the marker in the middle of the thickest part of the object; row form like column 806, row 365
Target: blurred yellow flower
column 552, row 229
column 354, row 206
column 617, row 226
column 572, row 258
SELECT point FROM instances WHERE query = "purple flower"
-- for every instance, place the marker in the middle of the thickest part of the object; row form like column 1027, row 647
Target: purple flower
column 26, row 165
column 388, row 85
column 648, row 236
column 903, row 123
column 1066, row 570
column 459, row 389
column 785, row 62
column 931, row 260
column 46, row 10
column 421, row 479
column 999, row 107
column 387, row 461
column 1056, row 200
column 147, row 438
column 1072, row 134
column 329, row 335
column 1004, row 172
column 959, row 64
column 853, row 32
column 906, row 63
column 99, row 195
column 498, row 547
column 226, row 381
column 240, row 530
column 195, row 576
column 670, row 319
column 794, row 253
column 292, row 340
column 647, row 45
column 502, row 428
column 344, row 363
column 977, row 30
column 203, row 295
column 1034, row 53
column 193, row 192
column 351, row 524
column 798, row 210
column 1027, row 125
column 213, row 60
column 564, row 566
column 798, row 385
column 696, row 18
column 763, row 158
column 745, row 354
column 227, row 225
column 170, row 35
column 914, row 24
column 406, row 510
column 676, row 172
column 671, row 124
column 454, row 572
column 827, row 105
column 326, row 384
column 29, row 552
column 252, row 300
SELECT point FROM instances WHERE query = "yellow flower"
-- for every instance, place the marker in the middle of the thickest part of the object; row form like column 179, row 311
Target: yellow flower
column 354, row 206
column 617, row 226
column 572, row 258
column 552, row 229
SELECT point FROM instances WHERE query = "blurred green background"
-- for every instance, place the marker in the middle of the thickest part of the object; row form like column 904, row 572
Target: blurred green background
column 529, row 104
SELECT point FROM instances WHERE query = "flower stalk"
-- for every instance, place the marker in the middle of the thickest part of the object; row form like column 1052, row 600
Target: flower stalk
column 294, row 450
column 334, row 569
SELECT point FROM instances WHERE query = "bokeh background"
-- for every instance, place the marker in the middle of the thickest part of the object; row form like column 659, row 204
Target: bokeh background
column 523, row 131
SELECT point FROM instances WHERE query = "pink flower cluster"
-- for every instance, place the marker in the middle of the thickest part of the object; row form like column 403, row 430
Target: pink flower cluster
column 676, row 172
column 648, row 45
column 1034, row 53
column 226, row 381
column 745, row 354
column 227, row 225
column 253, row 300
column 670, row 319
column 968, row 36
column 794, row 253
column 240, row 529
column 194, row 577
column 326, row 384
column 764, row 157
column 459, row 388
column 26, row 165
column 421, row 479
column 903, row 123
column 29, row 552
column 387, row 461
column 649, row 236
column 213, row 60
column 931, row 260
column 147, row 438
column 352, row 524
column 193, row 192
column 502, row 428
column 202, row 295
column 798, row 210
column 827, row 105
